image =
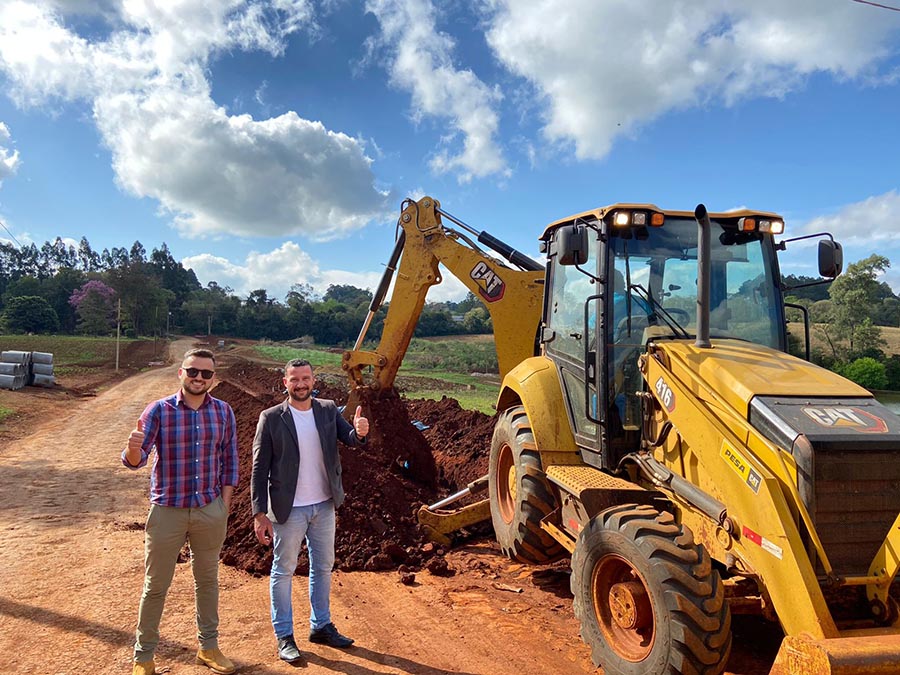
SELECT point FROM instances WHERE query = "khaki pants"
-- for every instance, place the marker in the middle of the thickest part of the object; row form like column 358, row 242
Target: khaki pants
column 166, row 531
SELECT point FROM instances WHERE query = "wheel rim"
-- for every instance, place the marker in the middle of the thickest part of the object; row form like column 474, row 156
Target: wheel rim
column 506, row 483
column 623, row 608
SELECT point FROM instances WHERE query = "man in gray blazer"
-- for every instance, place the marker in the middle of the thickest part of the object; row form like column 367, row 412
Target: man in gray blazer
column 294, row 489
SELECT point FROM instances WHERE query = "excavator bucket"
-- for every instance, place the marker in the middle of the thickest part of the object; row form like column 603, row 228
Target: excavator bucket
column 438, row 526
column 439, row 522
column 872, row 653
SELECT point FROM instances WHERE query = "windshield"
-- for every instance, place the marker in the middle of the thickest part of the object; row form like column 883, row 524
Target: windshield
column 602, row 313
column 661, row 273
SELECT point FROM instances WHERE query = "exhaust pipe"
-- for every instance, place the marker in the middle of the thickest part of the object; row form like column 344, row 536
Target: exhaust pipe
column 703, row 253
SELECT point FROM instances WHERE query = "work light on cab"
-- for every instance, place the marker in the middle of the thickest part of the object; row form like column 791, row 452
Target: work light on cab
column 637, row 219
column 770, row 226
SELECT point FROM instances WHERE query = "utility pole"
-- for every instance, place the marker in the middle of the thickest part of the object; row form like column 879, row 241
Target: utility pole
column 168, row 317
column 118, row 331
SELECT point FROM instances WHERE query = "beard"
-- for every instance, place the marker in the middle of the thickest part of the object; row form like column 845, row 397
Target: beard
column 300, row 395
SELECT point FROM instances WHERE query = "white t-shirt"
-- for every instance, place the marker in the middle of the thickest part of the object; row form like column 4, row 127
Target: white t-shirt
column 312, row 479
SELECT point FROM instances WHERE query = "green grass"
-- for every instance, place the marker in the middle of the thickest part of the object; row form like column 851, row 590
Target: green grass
column 473, row 393
column 453, row 361
column 5, row 412
column 317, row 356
column 480, row 399
column 454, row 356
column 426, row 365
column 67, row 350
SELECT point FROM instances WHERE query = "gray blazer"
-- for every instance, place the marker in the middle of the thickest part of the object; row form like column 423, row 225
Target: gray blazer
column 276, row 456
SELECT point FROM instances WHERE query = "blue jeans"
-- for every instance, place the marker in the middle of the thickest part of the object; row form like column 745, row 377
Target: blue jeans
column 315, row 523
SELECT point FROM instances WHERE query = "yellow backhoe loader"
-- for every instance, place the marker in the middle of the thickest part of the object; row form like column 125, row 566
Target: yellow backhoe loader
column 653, row 426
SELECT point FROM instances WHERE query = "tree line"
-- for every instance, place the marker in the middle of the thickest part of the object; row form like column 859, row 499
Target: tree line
column 847, row 315
column 75, row 290
column 60, row 288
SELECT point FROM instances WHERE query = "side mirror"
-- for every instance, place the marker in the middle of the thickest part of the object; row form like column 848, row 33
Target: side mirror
column 831, row 258
column 573, row 245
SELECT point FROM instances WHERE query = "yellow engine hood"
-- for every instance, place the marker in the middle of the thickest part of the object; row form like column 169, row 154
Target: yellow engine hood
column 739, row 370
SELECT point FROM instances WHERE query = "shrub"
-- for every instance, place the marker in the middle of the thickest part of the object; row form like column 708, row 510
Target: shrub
column 29, row 314
column 866, row 372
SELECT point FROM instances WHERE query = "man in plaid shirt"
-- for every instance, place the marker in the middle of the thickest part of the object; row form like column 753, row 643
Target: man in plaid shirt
column 194, row 473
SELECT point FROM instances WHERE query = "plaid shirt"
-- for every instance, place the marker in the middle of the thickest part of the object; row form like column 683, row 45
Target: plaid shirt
column 196, row 451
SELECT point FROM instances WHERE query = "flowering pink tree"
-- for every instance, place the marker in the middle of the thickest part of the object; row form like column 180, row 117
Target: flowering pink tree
column 93, row 303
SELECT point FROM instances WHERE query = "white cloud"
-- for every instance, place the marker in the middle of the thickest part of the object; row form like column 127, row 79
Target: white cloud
column 40, row 58
column 289, row 264
column 863, row 228
column 259, row 94
column 20, row 238
column 231, row 174
column 605, row 69
column 872, row 220
column 215, row 173
column 421, row 62
column 276, row 271
column 450, row 289
column 9, row 160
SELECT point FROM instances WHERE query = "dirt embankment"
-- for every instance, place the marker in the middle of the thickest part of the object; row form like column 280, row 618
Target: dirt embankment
column 399, row 469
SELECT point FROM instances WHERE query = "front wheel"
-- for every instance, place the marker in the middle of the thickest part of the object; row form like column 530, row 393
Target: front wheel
column 520, row 492
column 647, row 597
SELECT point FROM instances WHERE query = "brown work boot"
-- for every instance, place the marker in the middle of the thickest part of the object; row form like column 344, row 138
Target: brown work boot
column 215, row 660
column 143, row 668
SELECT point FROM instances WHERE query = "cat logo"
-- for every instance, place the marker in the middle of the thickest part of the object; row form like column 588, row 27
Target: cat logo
column 855, row 419
column 736, row 461
column 490, row 286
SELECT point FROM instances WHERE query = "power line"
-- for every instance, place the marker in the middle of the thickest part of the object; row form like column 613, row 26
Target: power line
column 875, row 4
column 10, row 233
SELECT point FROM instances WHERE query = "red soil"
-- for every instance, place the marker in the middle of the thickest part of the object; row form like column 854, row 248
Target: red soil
column 385, row 482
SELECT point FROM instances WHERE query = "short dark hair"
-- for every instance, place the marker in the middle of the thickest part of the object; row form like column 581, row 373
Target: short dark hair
column 202, row 353
column 297, row 363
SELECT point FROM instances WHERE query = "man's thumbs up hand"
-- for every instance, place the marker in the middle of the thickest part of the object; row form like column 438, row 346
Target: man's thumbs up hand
column 136, row 439
column 360, row 423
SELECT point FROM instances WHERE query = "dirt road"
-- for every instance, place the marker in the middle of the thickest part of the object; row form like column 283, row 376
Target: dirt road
column 71, row 569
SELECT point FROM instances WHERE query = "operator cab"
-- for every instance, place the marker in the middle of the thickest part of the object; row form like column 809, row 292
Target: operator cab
column 626, row 274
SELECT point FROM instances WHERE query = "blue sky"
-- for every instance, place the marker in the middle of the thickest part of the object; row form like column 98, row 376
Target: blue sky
column 269, row 143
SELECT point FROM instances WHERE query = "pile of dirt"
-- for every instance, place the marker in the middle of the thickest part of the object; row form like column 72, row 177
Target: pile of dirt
column 460, row 439
column 385, row 481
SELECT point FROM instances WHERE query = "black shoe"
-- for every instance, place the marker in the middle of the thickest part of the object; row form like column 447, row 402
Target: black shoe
column 287, row 649
column 328, row 635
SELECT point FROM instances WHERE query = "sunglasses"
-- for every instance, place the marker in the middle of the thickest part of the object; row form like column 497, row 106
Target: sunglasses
column 205, row 374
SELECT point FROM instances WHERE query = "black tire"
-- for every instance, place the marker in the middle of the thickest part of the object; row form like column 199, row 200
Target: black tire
column 648, row 599
column 520, row 493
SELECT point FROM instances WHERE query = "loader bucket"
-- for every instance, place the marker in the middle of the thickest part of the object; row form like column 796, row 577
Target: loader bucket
column 874, row 653
column 439, row 525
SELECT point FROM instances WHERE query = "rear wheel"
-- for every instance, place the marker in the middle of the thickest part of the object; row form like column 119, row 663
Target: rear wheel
column 647, row 597
column 520, row 493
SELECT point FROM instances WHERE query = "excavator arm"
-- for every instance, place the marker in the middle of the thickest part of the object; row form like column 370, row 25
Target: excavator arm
column 512, row 295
